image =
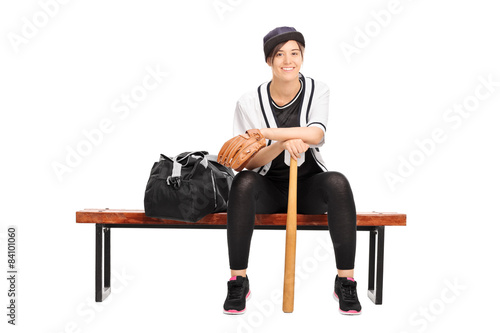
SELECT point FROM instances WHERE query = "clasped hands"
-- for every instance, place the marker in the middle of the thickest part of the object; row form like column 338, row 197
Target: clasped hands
column 294, row 146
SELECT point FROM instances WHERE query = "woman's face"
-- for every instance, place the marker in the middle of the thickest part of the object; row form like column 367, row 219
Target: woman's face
column 287, row 62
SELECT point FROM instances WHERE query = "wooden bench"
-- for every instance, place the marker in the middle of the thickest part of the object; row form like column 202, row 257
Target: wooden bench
column 106, row 219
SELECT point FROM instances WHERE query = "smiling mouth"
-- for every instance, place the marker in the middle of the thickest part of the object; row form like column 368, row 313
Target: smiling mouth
column 288, row 69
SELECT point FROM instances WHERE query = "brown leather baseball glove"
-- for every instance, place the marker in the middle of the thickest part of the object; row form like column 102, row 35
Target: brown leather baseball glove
column 238, row 151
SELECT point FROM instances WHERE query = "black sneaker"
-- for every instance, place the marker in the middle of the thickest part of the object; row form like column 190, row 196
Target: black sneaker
column 345, row 293
column 238, row 291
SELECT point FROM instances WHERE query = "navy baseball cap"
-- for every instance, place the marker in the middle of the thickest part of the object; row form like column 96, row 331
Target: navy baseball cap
column 280, row 35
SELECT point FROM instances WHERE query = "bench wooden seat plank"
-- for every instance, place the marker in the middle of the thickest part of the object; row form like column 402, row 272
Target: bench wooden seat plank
column 106, row 219
column 123, row 216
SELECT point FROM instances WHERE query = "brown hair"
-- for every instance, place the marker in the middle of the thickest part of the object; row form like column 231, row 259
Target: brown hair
column 279, row 46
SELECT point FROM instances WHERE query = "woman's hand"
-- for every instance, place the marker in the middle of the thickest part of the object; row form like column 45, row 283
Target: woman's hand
column 295, row 147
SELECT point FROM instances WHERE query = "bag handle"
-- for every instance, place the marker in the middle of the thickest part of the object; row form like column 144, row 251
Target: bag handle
column 183, row 156
column 174, row 178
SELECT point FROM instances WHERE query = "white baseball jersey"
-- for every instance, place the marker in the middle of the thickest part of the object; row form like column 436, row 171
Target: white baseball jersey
column 253, row 110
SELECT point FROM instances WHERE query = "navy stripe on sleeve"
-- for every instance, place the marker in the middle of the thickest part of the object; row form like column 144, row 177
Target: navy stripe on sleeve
column 317, row 122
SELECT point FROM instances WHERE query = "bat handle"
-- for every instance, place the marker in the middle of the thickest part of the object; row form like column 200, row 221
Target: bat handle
column 291, row 237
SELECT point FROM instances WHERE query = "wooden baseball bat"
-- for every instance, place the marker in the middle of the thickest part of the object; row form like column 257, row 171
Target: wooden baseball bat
column 291, row 237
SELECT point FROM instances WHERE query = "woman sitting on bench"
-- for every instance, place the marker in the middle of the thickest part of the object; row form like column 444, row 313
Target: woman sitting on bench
column 291, row 112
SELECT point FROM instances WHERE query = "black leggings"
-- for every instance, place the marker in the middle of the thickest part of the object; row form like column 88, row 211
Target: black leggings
column 252, row 194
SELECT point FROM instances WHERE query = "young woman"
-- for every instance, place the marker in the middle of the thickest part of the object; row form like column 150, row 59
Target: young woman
column 291, row 112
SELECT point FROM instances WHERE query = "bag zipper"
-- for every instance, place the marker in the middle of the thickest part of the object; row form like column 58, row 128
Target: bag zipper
column 214, row 189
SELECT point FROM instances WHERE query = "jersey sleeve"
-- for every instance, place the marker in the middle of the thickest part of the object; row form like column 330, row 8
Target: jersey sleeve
column 318, row 114
column 241, row 121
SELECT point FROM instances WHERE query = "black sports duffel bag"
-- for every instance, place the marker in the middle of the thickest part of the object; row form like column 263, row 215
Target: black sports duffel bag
column 187, row 187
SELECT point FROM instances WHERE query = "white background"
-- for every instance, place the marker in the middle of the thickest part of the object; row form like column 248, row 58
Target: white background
column 67, row 75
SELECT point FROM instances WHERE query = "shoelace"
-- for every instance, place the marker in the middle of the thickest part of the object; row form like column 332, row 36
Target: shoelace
column 349, row 292
column 235, row 291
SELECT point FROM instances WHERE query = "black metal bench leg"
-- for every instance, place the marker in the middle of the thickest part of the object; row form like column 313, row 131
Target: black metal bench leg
column 371, row 262
column 102, row 262
column 376, row 264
